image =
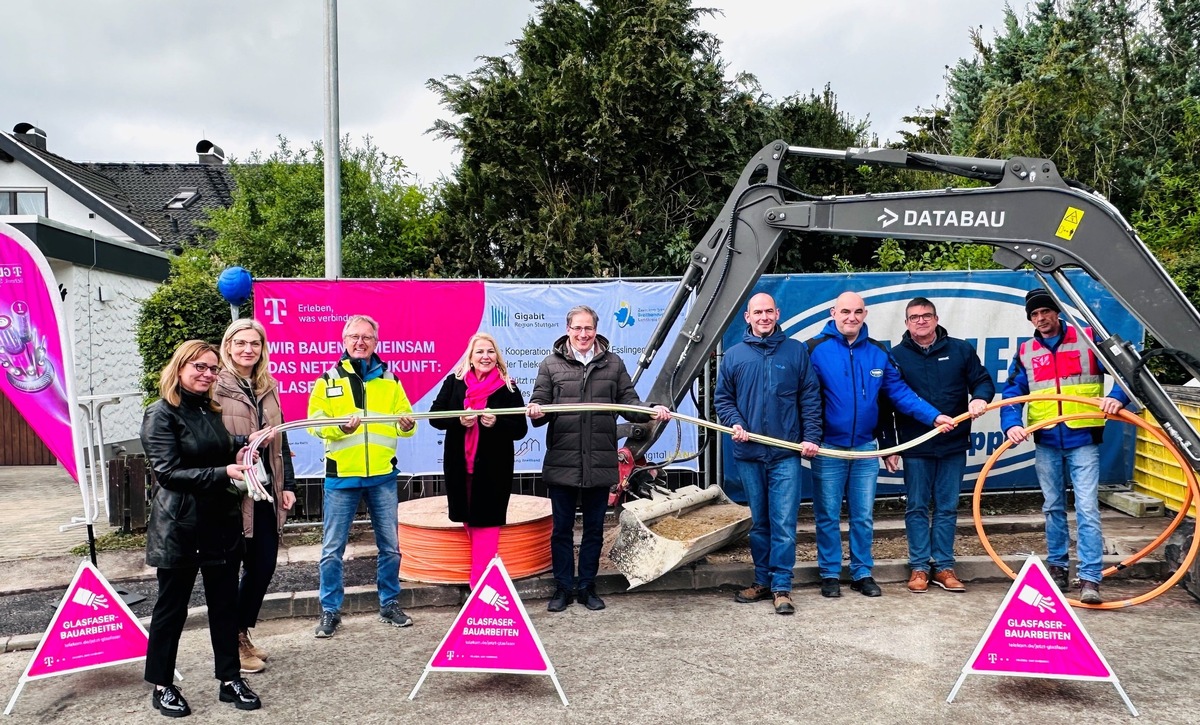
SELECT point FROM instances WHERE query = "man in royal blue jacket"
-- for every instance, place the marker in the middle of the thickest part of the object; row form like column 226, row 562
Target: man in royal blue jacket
column 854, row 371
column 946, row 372
column 767, row 385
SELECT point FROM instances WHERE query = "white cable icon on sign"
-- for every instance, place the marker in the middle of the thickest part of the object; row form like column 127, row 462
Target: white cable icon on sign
column 90, row 599
column 1033, row 598
column 492, row 597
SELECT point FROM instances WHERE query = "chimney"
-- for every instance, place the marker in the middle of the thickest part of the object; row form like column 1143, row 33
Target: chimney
column 30, row 135
column 210, row 153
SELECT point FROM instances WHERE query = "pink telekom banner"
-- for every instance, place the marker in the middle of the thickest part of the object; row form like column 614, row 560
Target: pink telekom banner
column 424, row 326
column 38, row 375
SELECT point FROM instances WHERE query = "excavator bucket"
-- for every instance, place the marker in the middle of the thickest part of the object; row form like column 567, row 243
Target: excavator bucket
column 658, row 535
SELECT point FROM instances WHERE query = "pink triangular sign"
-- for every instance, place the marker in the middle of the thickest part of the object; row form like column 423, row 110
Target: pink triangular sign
column 1035, row 633
column 492, row 633
column 93, row 627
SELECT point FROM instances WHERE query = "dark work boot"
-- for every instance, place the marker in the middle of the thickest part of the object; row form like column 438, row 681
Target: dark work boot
column 560, row 600
column 587, row 597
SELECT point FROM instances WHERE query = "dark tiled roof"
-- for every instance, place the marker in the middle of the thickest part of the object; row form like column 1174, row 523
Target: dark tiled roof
column 102, row 186
column 151, row 186
column 141, row 191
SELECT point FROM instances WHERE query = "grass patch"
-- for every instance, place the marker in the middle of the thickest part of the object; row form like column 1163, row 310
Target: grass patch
column 308, row 538
column 112, row 541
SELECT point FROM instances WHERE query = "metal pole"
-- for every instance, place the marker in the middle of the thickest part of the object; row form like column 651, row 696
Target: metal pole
column 333, row 154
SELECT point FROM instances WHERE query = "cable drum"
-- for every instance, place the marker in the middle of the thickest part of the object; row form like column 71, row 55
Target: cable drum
column 435, row 550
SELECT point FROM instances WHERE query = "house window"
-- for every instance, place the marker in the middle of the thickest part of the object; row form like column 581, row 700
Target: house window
column 23, row 202
column 186, row 197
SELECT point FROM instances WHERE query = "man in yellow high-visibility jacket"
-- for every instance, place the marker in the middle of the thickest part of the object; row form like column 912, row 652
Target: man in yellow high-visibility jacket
column 360, row 462
column 1058, row 360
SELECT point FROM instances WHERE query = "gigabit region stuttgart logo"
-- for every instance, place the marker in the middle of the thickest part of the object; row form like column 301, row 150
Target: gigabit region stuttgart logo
column 499, row 315
column 625, row 316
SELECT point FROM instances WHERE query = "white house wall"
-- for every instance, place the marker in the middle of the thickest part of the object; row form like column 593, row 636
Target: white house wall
column 105, row 339
column 59, row 206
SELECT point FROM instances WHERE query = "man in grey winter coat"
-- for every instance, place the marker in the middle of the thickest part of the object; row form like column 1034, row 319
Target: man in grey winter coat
column 580, row 465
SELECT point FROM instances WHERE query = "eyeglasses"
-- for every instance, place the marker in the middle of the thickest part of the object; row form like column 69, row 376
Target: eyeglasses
column 580, row 328
column 361, row 338
column 239, row 344
column 203, row 368
column 923, row 317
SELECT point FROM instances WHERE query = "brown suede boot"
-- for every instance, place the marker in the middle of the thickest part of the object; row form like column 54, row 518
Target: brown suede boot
column 244, row 637
column 249, row 662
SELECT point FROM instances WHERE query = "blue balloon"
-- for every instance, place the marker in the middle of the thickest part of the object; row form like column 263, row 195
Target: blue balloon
column 235, row 284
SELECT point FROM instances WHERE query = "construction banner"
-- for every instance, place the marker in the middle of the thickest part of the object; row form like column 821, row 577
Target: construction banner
column 35, row 347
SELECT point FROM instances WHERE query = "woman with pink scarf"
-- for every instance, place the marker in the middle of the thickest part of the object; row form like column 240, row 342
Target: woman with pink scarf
column 478, row 454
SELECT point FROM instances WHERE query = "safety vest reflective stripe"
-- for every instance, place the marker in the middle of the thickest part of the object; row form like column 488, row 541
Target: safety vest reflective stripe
column 1086, row 382
column 371, row 449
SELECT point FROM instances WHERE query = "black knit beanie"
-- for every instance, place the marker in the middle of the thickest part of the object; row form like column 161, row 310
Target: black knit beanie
column 1037, row 299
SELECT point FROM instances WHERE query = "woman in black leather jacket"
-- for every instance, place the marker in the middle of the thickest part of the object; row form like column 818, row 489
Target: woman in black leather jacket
column 195, row 524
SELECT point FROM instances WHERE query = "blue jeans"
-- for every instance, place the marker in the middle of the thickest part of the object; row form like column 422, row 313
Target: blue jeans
column 853, row 480
column 340, row 506
column 937, row 481
column 1084, row 466
column 773, row 492
column 594, row 502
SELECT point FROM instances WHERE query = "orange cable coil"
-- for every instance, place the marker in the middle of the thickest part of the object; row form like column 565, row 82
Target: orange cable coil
column 435, row 550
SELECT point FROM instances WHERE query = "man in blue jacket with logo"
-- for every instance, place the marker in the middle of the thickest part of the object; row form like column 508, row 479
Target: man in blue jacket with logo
column 768, row 386
column 854, row 371
column 946, row 372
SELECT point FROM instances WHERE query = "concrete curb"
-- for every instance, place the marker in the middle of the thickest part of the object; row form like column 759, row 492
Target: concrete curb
column 695, row 577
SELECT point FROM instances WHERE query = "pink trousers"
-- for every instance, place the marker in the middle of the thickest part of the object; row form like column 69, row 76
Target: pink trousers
column 484, row 543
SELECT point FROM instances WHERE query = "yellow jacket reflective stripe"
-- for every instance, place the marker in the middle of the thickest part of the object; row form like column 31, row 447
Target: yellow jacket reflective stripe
column 1070, row 369
column 370, row 450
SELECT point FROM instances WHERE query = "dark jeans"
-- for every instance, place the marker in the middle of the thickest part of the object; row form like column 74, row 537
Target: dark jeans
column 594, row 502
column 936, row 482
column 258, row 564
column 170, row 613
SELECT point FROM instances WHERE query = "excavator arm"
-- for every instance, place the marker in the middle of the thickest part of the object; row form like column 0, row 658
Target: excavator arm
column 1030, row 215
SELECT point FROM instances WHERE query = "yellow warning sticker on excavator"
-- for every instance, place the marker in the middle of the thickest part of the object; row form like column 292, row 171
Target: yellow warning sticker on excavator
column 1069, row 223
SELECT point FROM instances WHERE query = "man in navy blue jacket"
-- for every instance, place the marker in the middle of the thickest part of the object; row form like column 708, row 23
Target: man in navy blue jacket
column 767, row 385
column 854, row 371
column 946, row 372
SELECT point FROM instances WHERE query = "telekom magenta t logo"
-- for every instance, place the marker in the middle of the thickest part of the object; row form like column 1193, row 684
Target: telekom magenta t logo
column 275, row 308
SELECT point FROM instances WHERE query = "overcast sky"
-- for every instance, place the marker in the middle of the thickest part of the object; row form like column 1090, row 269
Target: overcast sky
column 144, row 80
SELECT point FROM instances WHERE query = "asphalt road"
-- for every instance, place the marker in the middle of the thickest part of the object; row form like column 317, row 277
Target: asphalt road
column 675, row 658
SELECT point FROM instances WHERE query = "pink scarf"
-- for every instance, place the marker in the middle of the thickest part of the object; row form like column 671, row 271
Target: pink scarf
column 476, row 399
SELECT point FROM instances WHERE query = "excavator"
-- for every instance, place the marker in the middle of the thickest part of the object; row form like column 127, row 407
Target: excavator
column 1030, row 215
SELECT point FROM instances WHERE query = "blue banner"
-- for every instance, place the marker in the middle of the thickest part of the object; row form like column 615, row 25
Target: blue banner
column 985, row 308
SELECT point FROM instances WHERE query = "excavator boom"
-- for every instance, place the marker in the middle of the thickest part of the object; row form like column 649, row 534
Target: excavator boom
column 1030, row 216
